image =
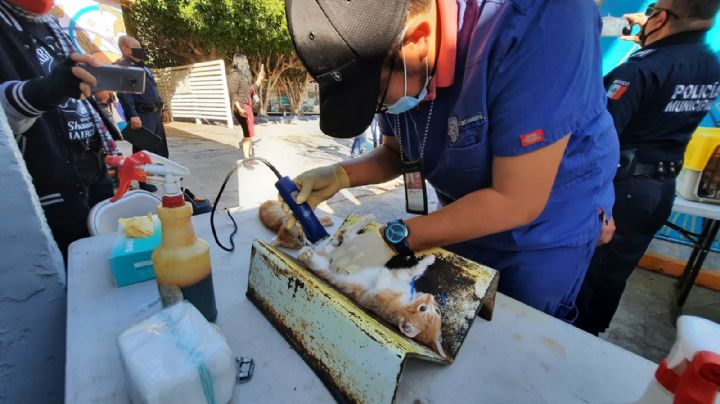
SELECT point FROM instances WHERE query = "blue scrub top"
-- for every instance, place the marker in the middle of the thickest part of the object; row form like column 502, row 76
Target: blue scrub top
column 528, row 73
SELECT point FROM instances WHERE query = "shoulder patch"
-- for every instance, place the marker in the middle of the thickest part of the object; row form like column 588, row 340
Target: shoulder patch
column 617, row 89
column 642, row 54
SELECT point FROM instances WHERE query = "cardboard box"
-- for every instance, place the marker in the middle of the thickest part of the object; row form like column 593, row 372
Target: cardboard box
column 131, row 258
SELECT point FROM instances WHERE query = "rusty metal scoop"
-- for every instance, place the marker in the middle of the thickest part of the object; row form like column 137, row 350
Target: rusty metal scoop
column 358, row 356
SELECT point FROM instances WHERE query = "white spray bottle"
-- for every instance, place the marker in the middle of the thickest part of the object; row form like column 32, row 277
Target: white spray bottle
column 691, row 372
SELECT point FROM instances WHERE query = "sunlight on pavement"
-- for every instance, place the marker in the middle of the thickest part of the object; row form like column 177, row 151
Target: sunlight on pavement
column 350, row 197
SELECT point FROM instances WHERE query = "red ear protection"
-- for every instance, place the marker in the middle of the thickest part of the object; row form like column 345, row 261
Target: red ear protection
column 38, row 7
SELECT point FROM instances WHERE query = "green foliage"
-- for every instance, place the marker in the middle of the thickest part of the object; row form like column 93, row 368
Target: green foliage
column 179, row 32
column 187, row 31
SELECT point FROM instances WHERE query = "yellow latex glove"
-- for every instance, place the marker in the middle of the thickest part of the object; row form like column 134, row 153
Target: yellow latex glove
column 366, row 250
column 315, row 186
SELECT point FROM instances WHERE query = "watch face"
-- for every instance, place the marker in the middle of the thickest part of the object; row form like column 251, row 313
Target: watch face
column 396, row 232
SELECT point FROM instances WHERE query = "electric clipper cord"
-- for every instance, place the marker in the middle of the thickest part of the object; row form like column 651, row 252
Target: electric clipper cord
column 312, row 227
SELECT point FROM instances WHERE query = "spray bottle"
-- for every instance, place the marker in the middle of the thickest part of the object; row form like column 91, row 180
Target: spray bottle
column 182, row 261
column 691, row 372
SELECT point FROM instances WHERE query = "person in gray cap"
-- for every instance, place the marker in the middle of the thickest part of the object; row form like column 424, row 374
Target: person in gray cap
column 499, row 104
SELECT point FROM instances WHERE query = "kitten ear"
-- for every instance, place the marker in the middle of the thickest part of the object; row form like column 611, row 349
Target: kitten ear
column 408, row 329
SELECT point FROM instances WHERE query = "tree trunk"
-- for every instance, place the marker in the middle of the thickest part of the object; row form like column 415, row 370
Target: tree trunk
column 275, row 66
column 295, row 82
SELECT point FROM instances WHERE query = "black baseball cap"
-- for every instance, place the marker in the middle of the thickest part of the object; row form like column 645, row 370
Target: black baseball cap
column 343, row 44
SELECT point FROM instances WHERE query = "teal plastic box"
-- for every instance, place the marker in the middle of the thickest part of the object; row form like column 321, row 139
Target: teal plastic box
column 131, row 258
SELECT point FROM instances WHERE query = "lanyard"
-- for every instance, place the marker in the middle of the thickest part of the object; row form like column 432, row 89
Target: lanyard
column 425, row 134
column 412, row 171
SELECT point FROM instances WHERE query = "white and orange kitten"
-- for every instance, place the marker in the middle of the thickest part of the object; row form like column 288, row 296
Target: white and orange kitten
column 388, row 293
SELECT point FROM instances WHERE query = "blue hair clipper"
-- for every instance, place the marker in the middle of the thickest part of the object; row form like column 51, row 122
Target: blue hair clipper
column 314, row 230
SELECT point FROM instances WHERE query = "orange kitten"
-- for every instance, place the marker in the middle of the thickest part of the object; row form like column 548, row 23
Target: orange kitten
column 388, row 293
column 272, row 217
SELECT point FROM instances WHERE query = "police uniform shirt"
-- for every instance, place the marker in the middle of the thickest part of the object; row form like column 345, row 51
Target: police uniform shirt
column 660, row 95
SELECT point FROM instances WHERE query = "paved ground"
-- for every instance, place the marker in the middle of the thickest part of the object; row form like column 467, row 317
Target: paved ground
column 644, row 323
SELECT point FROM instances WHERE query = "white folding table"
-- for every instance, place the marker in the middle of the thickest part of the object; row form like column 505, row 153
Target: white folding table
column 521, row 356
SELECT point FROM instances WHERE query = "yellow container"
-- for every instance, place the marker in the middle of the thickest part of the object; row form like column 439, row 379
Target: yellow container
column 700, row 150
column 701, row 147
column 182, row 262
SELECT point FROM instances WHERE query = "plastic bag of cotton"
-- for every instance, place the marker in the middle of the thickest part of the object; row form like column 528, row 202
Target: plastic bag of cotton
column 176, row 356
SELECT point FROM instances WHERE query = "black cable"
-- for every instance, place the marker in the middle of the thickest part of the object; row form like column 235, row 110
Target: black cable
column 267, row 163
column 212, row 215
column 217, row 199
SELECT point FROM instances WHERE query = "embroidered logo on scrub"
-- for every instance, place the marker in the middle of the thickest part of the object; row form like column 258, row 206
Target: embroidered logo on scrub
column 532, row 138
column 617, row 89
column 456, row 125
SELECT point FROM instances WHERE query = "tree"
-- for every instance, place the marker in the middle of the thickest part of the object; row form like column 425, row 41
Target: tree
column 294, row 84
column 178, row 32
column 277, row 67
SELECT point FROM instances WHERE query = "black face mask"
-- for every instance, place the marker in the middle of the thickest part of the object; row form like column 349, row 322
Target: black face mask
column 643, row 36
column 139, row 53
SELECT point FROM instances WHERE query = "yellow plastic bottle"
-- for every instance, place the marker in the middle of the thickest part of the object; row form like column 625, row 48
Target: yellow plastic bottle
column 182, row 261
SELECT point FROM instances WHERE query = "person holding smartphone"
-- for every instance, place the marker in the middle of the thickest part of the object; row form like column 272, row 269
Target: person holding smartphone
column 44, row 93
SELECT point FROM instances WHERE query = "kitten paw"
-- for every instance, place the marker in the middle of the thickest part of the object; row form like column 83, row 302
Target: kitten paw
column 428, row 260
column 306, row 253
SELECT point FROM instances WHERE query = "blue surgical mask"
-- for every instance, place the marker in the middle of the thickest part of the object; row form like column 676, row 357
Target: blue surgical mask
column 406, row 103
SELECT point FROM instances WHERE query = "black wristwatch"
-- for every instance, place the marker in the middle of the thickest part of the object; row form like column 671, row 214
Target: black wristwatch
column 396, row 235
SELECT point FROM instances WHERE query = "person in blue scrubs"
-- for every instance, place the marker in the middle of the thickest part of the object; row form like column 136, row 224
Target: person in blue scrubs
column 500, row 105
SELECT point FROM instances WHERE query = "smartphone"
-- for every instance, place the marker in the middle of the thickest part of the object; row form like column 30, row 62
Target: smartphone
column 119, row 79
column 615, row 26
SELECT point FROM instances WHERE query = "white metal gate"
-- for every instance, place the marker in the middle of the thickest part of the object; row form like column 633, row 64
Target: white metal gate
column 198, row 91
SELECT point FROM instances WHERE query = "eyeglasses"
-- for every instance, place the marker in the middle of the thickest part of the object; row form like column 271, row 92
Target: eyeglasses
column 652, row 10
column 381, row 107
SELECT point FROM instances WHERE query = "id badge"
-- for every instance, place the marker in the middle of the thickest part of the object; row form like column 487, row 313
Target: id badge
column 415, row 189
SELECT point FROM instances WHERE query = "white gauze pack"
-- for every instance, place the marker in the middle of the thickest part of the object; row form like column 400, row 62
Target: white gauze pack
column 177, row 356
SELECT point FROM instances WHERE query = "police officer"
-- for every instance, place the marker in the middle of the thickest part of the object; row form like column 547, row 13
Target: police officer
column 62, row 138
column 657, row 100
column 499, row 104
column 144, row 110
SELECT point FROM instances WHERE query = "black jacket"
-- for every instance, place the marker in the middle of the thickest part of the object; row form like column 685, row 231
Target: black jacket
column 47, row 151
column 661, row 94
